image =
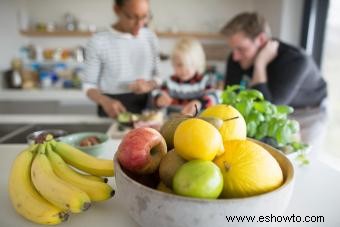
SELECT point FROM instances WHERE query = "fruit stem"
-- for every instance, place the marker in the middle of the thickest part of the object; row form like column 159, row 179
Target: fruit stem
column 229, row 119
column 226, row 166
column 196, row 111
column 49, row 137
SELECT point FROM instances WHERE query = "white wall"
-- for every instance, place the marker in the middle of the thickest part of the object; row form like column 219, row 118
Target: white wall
column 10, row 40
column 97, row 12
column 182, row 15
column 291, row 21
column 272, row 11
column 195, row 15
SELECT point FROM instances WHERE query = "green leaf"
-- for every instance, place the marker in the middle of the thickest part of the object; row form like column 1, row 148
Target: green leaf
column 255, row 116
column 255, row 94
column 273, row 125
column 284, row 135
column 244, row 107
column 264, row 119
column 294, row 126
column 283, row 109
column 302, row 159
column 251, row 94
column 251, row 128
column 233, row 88
column 262, row 131
column 228, row 97
column 297, row 146
column 271, row 109
column 262, row 106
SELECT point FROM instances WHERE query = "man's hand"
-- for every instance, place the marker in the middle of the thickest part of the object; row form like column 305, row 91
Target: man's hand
column 112, row 107
column 142, row 86
column 267, row 53
column 190, row 108
column 163, row 100
column 263, row 58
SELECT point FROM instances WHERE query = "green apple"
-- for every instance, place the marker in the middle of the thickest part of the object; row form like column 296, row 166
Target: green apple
column 163, row 188
column 169, row 127
column 168, row 167
column 198, row 178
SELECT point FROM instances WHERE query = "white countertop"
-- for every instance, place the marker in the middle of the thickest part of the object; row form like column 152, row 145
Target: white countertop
column 52, row 118
column 107, row 213
column 316, row 193
column 43, row 95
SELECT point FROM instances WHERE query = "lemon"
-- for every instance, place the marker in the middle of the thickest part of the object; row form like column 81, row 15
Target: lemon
column 247, row 169
column 231, row 128
column 197, row 139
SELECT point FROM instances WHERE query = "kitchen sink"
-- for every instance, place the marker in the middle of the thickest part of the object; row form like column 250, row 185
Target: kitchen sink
column 16, row 133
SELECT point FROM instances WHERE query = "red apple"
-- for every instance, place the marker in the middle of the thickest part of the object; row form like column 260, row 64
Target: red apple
column 141, row 150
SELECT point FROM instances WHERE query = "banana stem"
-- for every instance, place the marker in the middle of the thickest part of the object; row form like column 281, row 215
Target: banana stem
column 41, row 148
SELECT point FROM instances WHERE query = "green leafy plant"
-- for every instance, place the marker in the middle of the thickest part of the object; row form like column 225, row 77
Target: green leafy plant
column 266, row 121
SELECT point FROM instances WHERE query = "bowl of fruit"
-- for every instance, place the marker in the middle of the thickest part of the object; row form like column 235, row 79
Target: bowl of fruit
column 93, row 143
column 201, row 171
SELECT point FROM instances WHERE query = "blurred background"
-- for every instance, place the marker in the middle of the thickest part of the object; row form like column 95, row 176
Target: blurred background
column 42, row 49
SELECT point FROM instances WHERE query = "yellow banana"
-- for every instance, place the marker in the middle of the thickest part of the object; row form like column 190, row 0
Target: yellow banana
column 94, row 178
column 54, row 189
column 25, row 198
column 83, row 161
column 97, row 191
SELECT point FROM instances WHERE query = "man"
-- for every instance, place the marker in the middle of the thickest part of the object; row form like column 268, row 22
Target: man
column 121, row 65
column 283, row 73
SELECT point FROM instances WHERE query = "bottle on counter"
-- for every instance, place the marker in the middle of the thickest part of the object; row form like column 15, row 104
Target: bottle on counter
column 14, row 75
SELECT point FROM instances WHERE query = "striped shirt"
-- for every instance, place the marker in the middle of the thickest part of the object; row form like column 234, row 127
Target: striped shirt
column 197, row 88
column 114, row 59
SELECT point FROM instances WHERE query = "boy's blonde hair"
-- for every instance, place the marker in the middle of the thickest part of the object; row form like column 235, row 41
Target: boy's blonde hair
column 250, row 23
column 191, row 52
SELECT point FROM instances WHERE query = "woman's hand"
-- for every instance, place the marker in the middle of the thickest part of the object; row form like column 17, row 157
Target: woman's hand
column 142, row 86
column 163, row 100
column 112, row 107
column 190, row 108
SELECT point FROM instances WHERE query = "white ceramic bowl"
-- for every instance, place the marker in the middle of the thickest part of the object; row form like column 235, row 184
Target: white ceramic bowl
column 152, row 208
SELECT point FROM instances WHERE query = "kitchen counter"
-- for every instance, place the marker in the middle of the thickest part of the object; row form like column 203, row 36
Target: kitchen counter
column 14, row 128
column 52, row 118
column 316, row 193
column 43, row 95
column 107, row 213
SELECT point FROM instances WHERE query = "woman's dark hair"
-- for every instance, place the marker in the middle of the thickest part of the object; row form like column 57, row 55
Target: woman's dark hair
column 120, row 2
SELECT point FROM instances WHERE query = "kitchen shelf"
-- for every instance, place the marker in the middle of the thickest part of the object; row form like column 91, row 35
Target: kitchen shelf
column 33, row 33
column 55, row 62
column 199, row 35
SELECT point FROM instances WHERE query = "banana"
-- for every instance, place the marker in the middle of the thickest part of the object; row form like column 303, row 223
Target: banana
column 94, row 178
column 97, row 191
column 54, row 189
column 25, row 198
column 83, row 161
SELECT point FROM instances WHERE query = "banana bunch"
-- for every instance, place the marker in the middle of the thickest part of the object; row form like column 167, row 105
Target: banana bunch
column 44, row 188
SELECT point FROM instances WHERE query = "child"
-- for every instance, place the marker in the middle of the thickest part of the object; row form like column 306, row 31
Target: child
column 188, row 87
